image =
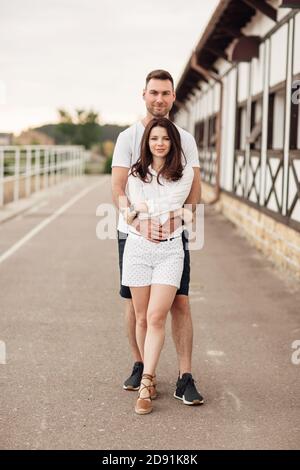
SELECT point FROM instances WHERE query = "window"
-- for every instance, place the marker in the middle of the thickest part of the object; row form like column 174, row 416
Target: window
column 199, row 134
column 254, row 138
column 240, row 136
column 295, row 118
column 276, row 119
column 212, row 131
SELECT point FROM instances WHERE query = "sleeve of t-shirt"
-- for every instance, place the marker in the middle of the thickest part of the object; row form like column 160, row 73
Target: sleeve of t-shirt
column 122, row 151
column 190, row 150
column 135, row 190
column 178, row 193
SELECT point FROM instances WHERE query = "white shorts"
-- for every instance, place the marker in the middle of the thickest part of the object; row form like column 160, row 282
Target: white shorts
column 146, row 263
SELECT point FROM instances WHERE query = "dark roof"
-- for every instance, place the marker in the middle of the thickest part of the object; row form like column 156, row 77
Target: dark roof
column 224, row 26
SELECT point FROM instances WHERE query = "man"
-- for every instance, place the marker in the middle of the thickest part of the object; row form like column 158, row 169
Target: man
column 159, row 96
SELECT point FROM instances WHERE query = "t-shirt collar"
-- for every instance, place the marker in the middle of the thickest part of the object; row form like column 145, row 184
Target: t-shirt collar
column 152, row 171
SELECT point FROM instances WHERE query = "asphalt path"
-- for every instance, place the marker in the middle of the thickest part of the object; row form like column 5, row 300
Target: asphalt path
column 62, row 323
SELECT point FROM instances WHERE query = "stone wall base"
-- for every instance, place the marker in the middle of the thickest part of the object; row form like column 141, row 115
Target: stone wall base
column 281, row 244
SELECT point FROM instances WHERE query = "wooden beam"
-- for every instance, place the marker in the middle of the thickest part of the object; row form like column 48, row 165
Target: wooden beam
column 231, row 31
column 290, row 4
column 245, row 49
column 208, row 74
column 217, row 52
column 213, row 69
column 263, row 7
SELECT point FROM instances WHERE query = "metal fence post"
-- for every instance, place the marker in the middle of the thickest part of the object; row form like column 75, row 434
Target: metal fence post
column 73, row 167
column 17, row 175
column 59, row 165
column 77, row 163
column 1, row 177
column 55, row 163
column 37, row 169
column 28, row 173
column 52, row 166
column 46, row 168
column 82, row 161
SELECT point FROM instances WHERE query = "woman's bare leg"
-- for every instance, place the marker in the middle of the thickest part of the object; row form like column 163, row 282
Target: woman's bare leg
column 161, row 299
column 140, row 300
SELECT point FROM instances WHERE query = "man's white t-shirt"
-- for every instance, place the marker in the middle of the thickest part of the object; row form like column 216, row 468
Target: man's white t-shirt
column 128, row 147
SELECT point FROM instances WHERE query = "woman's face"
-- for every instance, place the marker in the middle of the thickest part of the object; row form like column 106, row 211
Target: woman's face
column 159, row 142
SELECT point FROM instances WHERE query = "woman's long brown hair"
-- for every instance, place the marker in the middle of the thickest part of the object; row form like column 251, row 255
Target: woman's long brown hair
column 173, row 167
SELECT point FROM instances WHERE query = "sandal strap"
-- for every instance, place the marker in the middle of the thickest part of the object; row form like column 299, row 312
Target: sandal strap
column 144, row 386
column 148, row 376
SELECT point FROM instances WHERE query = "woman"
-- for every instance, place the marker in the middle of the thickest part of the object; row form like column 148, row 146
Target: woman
column 158, row 184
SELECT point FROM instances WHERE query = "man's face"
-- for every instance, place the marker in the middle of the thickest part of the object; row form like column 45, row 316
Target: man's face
column 159, row 97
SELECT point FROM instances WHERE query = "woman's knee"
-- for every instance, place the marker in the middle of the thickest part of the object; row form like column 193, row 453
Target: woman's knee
column 156, row 318
column 141, row 319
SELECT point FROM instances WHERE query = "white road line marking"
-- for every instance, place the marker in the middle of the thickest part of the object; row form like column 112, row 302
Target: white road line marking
column 47, row 221
column 35, row 208
column 237, row 401
column 196, row 299
column 215, row 353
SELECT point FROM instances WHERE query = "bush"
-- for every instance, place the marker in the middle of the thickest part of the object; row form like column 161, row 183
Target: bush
column 107, row 165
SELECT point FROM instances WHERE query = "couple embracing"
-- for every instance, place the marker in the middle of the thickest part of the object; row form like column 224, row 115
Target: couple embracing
column 155, row 172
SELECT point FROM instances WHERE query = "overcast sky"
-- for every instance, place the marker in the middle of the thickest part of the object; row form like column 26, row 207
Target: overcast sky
column 90, row 54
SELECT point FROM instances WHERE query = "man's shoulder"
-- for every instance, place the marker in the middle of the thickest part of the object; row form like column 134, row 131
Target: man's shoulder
column 185, row 135
column 129, row 131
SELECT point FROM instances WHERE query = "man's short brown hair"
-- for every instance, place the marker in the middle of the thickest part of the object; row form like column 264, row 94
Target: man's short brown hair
column 159, row 75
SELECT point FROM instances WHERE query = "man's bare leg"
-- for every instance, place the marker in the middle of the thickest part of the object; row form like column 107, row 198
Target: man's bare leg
column 131, row 330
column 133, row 381
column 182, row 332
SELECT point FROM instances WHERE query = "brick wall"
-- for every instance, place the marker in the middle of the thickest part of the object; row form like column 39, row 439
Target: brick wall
column 278, row 242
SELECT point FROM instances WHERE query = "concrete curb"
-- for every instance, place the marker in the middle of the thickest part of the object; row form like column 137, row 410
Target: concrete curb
column 13, row 209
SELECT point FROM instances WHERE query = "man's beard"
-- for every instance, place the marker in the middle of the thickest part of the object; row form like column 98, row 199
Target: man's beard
column 157, row 114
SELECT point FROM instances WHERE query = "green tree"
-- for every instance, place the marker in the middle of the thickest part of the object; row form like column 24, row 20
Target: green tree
column 83, row 129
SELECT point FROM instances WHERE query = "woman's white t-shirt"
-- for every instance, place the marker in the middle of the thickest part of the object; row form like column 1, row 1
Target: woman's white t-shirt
column 161, row 197
column 128, row 147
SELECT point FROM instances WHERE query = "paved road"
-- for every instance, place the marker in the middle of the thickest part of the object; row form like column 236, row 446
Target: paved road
column 67, row 355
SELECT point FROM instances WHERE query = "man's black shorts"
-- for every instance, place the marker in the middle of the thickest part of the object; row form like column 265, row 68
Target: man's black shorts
column 185, row 279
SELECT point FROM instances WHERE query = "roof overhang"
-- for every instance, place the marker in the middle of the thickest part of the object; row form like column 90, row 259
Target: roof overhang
column 245, row 49
column 222, row 34
column 290, row 4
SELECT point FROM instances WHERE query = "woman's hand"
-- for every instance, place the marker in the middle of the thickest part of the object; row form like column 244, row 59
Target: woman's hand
column 141, row 207
column 150, row 229
column 129, row 215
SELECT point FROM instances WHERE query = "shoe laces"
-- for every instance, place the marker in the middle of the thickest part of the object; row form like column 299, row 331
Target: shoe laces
column 187, row 379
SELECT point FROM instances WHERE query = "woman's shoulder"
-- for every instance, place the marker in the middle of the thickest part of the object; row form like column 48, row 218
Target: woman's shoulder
column 135, row 178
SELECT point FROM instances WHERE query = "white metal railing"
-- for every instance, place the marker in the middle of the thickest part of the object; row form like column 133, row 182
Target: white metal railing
column 30, row 168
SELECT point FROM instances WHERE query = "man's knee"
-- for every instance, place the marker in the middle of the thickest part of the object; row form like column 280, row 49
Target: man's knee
column 181, row 306
column 129, row 310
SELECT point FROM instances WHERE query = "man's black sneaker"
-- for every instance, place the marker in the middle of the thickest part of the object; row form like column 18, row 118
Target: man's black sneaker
column 186, row 391
column 133, row 382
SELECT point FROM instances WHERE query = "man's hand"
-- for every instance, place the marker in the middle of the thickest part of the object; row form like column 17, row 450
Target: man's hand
column 172, row 224
column 185, row 214
column 151, row 229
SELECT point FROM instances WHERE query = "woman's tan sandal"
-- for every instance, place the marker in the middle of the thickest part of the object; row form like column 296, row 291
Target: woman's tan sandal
column 143, row 405
column 153, row 391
